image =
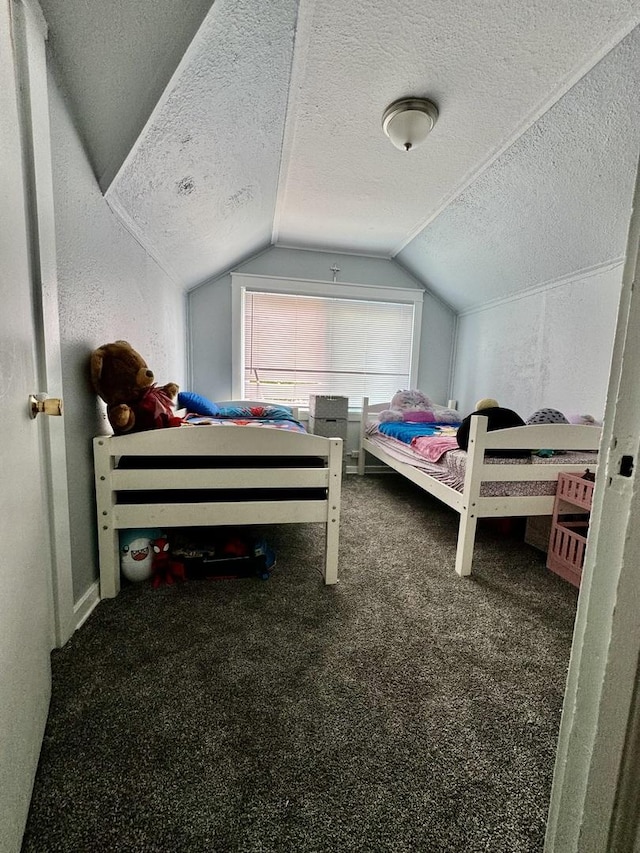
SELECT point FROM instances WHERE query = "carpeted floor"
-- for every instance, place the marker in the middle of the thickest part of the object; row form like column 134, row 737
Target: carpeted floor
column 405, row 709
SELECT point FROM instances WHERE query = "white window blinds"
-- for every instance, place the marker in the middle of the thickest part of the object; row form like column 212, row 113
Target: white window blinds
column 298, row 345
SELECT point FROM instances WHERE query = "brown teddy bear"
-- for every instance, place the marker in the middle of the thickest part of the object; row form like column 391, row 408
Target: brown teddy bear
column 120, row 376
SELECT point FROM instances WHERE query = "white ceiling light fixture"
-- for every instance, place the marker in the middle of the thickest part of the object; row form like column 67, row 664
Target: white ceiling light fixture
column 409, row 121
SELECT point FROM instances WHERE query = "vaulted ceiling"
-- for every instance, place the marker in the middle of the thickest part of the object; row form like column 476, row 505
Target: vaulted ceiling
column 217, row 130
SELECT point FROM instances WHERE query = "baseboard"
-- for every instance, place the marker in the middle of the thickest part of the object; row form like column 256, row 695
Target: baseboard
column 369, row 469
column 83, row 608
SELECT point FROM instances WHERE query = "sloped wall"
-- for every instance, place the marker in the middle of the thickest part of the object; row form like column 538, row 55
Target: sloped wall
column 548, row 222
column 109, row 289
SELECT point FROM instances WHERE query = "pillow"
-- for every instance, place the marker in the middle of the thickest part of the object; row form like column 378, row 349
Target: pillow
column 267, row 412
column 197, row 404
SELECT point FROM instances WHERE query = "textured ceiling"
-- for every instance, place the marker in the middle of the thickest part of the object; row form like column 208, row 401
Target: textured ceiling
column 115, row 58
column 199, row 187
column 556, row 203
column 269, row 129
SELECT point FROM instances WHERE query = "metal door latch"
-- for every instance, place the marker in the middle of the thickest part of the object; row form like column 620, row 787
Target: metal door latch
column 40, row 404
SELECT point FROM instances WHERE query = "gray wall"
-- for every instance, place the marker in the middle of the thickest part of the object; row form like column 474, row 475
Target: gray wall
column 550, row 348
column 210, row 313
column 549, row 221
column 109, row 289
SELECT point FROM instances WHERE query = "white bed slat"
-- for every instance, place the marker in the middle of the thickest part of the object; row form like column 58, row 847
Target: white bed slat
column 522, row 473
column 515, row 506
column 131, row 479
column 451, row 497
column 540, row 436
column 218, row 513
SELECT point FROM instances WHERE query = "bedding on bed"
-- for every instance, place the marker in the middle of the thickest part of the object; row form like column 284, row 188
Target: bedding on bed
column 433, row 447
column 450, row 467
column 276, row 417
column 408, row 432
column 291, row 425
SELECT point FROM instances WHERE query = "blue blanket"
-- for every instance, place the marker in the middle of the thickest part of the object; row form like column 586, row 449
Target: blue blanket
column 404, row 432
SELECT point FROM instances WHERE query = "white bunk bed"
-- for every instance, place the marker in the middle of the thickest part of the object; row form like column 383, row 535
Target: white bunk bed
column 223, row 475
column 468, row 500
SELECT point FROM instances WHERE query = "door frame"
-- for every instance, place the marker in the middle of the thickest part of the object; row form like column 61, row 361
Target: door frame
column 31, row 60
column 595, row 794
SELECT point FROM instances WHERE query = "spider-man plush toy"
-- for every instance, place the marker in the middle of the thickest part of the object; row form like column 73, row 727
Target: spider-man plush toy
column 166, row 570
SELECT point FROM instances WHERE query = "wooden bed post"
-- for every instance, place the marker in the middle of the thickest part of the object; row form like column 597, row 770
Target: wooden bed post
column 108, row 537
column 334, row 463
column 470, row 495
column 363, row 428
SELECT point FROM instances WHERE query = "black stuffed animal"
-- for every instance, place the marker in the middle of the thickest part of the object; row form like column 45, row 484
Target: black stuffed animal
column 498, row 418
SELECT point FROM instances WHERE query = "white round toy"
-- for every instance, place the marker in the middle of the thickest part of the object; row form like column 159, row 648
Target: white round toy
column 136, row 554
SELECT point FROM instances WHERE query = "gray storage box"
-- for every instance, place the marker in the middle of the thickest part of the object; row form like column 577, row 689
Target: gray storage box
column 538, row 531
column 328, row 406
column 329, row 427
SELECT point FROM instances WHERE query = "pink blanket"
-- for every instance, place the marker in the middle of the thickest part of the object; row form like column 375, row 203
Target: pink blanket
column 433, row 447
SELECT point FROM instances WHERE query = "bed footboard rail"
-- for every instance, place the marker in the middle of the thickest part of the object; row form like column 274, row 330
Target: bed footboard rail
column 212, row 476
column 478, row 470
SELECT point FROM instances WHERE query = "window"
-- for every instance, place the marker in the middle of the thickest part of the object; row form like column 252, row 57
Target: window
column 357, row 342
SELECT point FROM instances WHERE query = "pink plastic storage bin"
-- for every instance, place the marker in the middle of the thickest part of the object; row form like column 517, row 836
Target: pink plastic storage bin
column 568, row 537
column 575, row 490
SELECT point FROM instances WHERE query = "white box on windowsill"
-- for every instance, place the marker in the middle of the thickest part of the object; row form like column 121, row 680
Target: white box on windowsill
column 328, row 406
column 328, row 427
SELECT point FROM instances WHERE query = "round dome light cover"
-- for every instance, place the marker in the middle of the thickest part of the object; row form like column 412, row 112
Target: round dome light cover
column 409, row 121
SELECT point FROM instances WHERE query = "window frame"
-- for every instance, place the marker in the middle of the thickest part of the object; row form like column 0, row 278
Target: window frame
column 243, row 282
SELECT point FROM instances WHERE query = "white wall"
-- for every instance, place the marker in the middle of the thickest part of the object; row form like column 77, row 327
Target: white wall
column 210, row 315
column 109, row 289
column 548, row 222
column 550, row 348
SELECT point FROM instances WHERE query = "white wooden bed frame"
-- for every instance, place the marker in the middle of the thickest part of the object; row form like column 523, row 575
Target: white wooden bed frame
column 218, row 442
column 468, row 502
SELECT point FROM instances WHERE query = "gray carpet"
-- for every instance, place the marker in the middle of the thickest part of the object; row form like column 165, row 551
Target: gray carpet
column 405, row 709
